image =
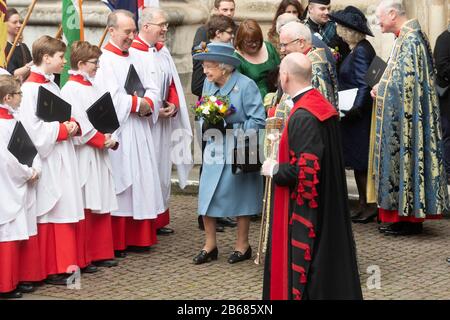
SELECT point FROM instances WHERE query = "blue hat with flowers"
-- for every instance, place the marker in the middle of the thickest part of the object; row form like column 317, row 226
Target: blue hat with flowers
column 218, row 52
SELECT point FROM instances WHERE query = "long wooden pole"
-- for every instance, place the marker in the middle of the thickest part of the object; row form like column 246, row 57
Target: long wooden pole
column 19, row 35
column 103, row 37
column 59, row 33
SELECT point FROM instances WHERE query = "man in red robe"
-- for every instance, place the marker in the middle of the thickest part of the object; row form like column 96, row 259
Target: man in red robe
column 311, row 253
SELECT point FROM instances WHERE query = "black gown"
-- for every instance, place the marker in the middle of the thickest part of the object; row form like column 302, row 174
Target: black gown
column 320, row 260
column 20, row 57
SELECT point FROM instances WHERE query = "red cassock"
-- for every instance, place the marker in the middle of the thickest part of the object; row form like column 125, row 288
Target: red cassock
column 9, row 265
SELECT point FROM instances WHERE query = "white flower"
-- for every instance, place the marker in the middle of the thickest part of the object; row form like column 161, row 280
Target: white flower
column 205, row 111
column 212, row 99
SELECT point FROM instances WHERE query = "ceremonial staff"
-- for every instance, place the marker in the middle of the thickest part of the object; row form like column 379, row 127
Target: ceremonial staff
column 19, row 35
column 271, row 142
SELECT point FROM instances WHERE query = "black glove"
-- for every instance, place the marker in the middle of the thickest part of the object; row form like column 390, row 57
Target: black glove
column 352, row 115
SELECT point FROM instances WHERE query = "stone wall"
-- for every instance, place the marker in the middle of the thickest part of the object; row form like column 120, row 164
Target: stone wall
column 186, row 15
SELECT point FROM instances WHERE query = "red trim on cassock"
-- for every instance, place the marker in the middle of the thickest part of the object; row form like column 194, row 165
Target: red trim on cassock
column 112, row 48
column 391, row 216
column 31, row 267
column 302, row 271
column 271, row 112
column 99, row 236
column 150, row 102
column 130, row 232
column 172, row 96
column 307, row 51
column 9, row 265
column 4, row 114
column 63, row 133
column 82, row 252
column 134, row 101
column 97, row 141
column 305, row 222
column 315, row 103
column 58, row 246
column 162, row 220
column 37, row 78
column 297, row 294
column 80, row 79
column 139, row 44
column 159, row 46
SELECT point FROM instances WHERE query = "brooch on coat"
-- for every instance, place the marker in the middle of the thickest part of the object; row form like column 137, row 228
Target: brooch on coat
column 236, row 89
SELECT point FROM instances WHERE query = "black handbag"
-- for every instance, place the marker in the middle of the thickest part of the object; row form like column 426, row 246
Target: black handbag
column 246, row 158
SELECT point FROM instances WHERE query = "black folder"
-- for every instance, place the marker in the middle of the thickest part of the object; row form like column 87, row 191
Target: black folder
column 375, row 72
column 102, row 114
column 133, row 83
column 21, row 146
column 52, row 108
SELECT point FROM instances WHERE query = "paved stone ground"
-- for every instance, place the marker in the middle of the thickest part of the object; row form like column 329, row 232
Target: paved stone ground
column 411, row 267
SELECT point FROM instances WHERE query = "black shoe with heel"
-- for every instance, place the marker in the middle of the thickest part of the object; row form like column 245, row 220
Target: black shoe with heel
column 238, row 256
column 205, row 256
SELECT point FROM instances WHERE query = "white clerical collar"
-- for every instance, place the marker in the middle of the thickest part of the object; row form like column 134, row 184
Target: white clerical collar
column 50, row 77
column 302, row 91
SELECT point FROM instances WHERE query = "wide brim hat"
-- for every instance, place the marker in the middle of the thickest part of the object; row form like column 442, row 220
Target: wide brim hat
column 352, row 18
column 218, row 52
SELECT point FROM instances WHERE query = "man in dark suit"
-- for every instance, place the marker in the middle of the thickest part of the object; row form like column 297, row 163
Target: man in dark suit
column 442, row 58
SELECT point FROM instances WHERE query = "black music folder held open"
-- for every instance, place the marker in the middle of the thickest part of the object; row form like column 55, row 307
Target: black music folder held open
column 21, row 146
column 133, row 83
column 52, row 108
column 375, row 72
column 102, row 114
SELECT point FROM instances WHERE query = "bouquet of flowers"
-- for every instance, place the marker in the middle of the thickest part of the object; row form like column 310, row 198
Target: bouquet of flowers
column 336, row 54
column 213, row 109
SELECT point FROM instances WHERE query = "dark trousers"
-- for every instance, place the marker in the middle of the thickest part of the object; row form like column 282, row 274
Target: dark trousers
column 445, row 120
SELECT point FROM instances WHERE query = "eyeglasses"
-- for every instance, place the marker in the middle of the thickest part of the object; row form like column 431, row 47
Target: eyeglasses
column 96, row 62
column 252, row 42
column 162, row 25
column 284, row 45
column 230, row 32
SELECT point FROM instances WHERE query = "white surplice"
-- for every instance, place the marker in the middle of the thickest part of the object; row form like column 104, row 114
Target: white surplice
column 16, row 221
column 135, row 169
column 172, row 136
column 94, row 165
column 58, row 193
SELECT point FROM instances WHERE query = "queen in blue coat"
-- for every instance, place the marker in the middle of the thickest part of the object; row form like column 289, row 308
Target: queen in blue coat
column 222, row 193
column 353, row 28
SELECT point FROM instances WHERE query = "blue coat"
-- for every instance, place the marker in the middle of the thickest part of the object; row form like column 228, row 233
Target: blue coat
column 222, row 194
column 356, row 132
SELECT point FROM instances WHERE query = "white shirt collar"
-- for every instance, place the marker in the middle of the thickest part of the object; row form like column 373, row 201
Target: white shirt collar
column 302, row 91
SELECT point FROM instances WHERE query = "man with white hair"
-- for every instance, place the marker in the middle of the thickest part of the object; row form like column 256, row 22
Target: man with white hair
column 407, row 172
column 172, row 128
column 285, row 18
column 135, row 170
column 311, row 252
column 296, row 37
column 319, row 23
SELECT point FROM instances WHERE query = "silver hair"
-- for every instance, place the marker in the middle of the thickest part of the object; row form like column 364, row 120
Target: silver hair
column 113, row 17
column 226, row 67
column 297, row 30
column 148, row 14
column 284, row 19
column 396, row 5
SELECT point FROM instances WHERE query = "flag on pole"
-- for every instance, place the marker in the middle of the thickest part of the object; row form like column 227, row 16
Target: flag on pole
column 73, row 29
column 3, row 33
column 134, row 6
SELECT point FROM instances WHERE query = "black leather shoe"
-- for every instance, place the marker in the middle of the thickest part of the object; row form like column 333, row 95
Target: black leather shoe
column 89, row 269
column 106, row 263
column 366, row 217
column 227, row 222
column 137, row 249
column 204, row 256
column 16, row 294
column 391, row 227
column 120, row 254
column 164, row 231
column 238, row 256
column 448, row 260
column 57, row 279
column 26, row 287
column 407, row 230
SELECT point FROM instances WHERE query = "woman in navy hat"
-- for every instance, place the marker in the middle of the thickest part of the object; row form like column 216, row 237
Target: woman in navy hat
column 222, row 193
column 352, row 27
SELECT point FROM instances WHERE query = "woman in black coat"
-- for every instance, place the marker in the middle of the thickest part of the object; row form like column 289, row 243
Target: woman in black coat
column 352, row 27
